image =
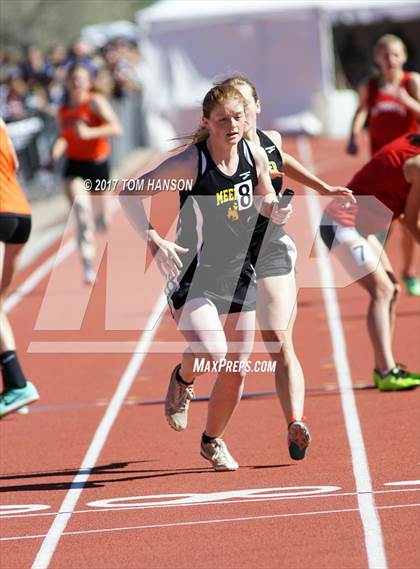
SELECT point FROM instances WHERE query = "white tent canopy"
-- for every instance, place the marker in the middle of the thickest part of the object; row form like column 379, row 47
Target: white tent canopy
column 362, row 11
column 99, row 34
column 284, row 47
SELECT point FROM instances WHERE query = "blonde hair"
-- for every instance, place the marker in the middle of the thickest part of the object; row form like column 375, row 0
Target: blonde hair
column 235, row 80
column 385, row 41
column 218, row 95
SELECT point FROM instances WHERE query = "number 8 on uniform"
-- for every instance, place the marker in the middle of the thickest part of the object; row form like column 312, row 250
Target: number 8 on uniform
column 243, row 192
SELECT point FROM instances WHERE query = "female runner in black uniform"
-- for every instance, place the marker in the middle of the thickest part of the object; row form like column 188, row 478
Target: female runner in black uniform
column 214, row 235
column 273, row 254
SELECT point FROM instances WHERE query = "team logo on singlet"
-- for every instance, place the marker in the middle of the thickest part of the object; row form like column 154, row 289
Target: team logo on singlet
column 273, row 167
column 269, row 149
column 388, row 107
column 241, row 195
column 232, row 213
column 245, row 175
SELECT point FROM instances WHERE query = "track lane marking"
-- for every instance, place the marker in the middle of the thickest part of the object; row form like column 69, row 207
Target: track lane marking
column 374, row 542
column 59, row 524
column 57, row 257
column 202, row 522
column 222, row 503
column 64, row 250
column 403, row 483
column 39, row 274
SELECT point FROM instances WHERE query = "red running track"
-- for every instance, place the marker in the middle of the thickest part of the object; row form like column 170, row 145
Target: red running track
column 143, row 497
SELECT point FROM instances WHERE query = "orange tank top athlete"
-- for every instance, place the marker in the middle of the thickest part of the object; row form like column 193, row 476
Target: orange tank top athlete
column 70, row 118
column 12, row 197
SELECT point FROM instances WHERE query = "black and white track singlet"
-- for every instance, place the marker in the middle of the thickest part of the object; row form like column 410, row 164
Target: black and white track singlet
column 214, row 224
column 275, row 255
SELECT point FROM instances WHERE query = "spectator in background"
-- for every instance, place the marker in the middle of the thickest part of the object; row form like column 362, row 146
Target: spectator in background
column 104, row 82
column 80, row 52
column 17, row 89
column 390, row 103
column 57, row 56
column 34, row 83
column 122, row 58
column 37, row 99
column 35, row 67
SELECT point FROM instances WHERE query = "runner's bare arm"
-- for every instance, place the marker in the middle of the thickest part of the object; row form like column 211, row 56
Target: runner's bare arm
column 359, row 119
column 265, row 196
column 183, row 166
column 297, row 172
column 58, row 148
column 411, row 96
column 111, row 127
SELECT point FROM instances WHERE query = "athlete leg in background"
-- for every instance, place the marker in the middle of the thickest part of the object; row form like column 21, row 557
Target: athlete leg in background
column 276, row 309
column 359, row 257
column 8, row 257
column 101, row 209
column 17, row 391
column 81, row 203
column 386, row 263
column 409, row 249
column 276, row 312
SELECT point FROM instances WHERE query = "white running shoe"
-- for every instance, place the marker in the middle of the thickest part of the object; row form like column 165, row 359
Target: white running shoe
column 217, row 453
column 178, row 401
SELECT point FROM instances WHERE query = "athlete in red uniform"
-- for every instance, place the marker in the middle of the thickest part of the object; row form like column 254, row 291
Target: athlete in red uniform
column 390, row 104
column 391, row 108
column 393, row 177
column 389, row 101
column 15, row 227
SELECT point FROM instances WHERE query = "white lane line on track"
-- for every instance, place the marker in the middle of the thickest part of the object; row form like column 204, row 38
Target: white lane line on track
column 202, row 522
column 403, row 483
column 374, row 542
column 118, row 347
column 64, row 251
column 40, row 273
column 59, row 524
column 6, row 516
